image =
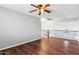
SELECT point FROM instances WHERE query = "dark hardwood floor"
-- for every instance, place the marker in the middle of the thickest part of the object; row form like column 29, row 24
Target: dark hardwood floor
column 44, row 46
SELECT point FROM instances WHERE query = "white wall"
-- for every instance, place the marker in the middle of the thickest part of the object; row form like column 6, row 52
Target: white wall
column 70, row 25
column 17, row 28
column 60, row 24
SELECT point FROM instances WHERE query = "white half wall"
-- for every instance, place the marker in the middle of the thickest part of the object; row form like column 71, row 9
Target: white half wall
column 16, row 28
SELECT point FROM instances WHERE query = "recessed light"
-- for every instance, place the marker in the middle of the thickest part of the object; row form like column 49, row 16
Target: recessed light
column 43, row 19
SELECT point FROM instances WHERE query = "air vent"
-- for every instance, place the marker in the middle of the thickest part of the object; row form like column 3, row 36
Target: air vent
column 48, row 18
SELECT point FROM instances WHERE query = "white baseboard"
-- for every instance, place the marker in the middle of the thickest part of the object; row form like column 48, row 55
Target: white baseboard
column 18, row 44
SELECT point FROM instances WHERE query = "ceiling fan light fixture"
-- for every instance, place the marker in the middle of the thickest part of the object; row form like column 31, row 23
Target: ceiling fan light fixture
column 41, row 8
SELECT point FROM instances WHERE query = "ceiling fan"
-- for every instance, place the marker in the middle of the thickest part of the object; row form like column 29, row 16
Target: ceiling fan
column 41, row 8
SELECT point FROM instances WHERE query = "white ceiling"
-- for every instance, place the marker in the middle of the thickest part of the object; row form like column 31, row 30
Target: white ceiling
column 57, row 10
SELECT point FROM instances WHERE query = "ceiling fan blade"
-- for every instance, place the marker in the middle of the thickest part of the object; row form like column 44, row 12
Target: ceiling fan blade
column 33, row 5
column 33, row 10
column 47, row 11
column 39, row 12
column 47, row 5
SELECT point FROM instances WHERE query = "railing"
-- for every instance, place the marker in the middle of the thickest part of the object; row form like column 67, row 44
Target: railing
column 68, row 34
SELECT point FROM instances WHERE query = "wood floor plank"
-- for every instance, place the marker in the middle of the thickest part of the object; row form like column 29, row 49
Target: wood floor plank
column 44, row 46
